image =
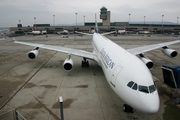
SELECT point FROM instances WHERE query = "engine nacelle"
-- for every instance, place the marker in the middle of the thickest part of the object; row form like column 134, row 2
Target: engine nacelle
column 169, row 52
column 149, row 63
column 68, row 64
column 33, row 54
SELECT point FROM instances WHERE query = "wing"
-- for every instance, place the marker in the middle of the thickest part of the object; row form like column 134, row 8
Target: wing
column 142, row 49
column 108, row 33
column 83, row 33
column 92, row 34
column 76, row 52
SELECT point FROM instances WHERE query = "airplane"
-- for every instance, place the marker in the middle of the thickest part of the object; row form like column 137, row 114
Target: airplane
column 122, row 31
column 127, row 75
column 37, row 32
column 145, row 31
column 4, row 31
column 43, row 32
column 64, row 32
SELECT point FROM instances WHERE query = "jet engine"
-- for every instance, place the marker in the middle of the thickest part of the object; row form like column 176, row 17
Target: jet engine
column 147, row 61
column 68, row 64
column 34, row 53
column 169, row 52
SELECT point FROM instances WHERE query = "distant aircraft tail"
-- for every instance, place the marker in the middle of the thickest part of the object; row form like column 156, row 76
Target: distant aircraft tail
column 96, row 26
column 125, row 28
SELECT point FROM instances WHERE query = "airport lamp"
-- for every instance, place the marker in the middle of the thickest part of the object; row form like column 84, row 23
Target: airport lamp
column 177, row 20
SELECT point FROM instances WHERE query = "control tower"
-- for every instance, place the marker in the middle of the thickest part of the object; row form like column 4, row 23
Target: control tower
column 105, row 16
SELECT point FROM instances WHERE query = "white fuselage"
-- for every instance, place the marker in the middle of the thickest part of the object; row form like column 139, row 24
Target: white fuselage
column 121, row 31
column 144, row 32
column 36, row 32
column 120, row 68
column 65, row 32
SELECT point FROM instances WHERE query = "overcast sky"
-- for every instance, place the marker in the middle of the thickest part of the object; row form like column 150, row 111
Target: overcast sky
column 11, row 11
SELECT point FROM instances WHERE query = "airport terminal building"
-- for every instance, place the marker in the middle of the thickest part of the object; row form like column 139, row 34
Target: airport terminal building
column 104, row 26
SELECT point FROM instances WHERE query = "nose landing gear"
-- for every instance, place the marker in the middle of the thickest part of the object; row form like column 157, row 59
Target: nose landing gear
column 128, row 109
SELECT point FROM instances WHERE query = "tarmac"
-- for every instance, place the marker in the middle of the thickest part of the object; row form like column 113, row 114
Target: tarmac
column 33, row 87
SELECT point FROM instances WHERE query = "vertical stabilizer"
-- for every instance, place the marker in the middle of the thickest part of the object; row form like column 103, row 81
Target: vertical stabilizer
column 96, row 27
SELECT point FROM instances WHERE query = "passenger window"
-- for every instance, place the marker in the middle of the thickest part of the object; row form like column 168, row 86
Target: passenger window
column 152, row 88
column 130, row 84
column 135, row 86
column 143, row 89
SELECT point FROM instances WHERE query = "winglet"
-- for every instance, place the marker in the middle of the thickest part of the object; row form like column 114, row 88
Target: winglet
column 96, row 27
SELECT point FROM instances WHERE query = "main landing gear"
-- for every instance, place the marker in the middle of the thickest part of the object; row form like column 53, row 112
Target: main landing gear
column 128, row 108
column 85, row 63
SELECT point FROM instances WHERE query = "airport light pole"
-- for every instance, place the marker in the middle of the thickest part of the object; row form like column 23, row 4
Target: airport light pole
column 84, row 20
column 144, row 19
column 162, row 29
column 177, row 20
column 61, row 107
column 35, row 22
column 129, row 17
column 129, row 20
column 76, row 19
column 54, row 20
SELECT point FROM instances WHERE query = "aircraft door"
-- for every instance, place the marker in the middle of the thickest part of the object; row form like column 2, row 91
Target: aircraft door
column 115, row 74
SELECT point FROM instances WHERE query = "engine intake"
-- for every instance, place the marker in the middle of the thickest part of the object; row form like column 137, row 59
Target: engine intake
column 147, row 61
column 68, row 64
column 169, row 52
column 33, row 54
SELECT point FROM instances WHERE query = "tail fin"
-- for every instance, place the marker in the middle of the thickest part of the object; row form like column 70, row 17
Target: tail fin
column 125, row 28
column 96, row 27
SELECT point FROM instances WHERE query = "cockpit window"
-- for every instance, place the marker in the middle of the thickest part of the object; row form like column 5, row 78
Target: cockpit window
column 152, row 88
column 134, row 86
column 143, row 89
column 130, row 84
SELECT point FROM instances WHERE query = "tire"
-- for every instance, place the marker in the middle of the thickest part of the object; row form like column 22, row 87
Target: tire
column 82, row 64
column 87, row 63
column 127, row 108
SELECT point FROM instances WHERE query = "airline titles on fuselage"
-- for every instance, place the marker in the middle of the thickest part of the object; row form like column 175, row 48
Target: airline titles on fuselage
column 107, row 59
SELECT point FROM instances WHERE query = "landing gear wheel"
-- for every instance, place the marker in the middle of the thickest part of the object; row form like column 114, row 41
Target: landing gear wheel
column 82, row 64
column 85, row 63
column 127, row 108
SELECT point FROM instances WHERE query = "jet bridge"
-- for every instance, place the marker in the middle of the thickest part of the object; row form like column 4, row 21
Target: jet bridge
column 171, row 76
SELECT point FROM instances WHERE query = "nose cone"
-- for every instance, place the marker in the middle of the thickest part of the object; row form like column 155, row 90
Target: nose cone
column 152, row 107
column 151, row 104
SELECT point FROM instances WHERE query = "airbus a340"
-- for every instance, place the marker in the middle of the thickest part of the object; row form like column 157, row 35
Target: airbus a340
column 126, row 74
